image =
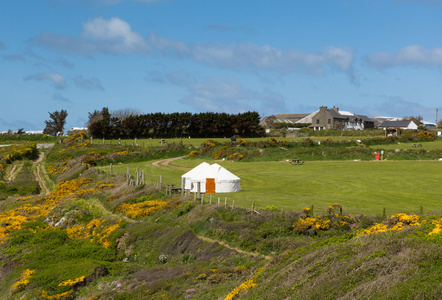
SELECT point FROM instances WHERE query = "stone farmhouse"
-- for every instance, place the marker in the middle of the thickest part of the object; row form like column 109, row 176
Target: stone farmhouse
column 325, row 118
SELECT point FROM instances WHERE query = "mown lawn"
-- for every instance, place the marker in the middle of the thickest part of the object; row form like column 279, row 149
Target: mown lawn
column 360, row 187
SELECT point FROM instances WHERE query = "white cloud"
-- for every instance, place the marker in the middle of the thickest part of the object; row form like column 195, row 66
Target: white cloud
column 113, row 36
column 251, row 56
column 410, row 55
column 88, row 84
column 58, row 80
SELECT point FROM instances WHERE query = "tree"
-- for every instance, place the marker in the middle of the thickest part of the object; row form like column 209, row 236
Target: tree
column 56, row 125
column 99, row 124
column 123, row 114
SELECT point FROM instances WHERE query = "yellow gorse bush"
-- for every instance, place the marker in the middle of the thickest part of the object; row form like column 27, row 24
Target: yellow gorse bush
column 72, row 282
column 95, row 230
column 438, row 227
column 142, row 209
column 246, row 285
column 14, row 219
column 24, row 280
column 44, row 295
column 243, row 287
column 393, row 223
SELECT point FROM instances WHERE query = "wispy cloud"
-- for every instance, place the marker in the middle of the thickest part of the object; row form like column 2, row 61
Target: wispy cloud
column 57, row 80
column 220, row 94
column 88, row 84
column 113, row 36
column 60, row 98
column 101, row 2
column 408, row 56
column 14, row 57
column 420, row 2
column 168, row 47
column 396, row 106
column 224, row 28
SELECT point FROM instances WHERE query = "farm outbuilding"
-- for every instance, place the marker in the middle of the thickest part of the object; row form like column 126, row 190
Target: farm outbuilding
column 212, row 179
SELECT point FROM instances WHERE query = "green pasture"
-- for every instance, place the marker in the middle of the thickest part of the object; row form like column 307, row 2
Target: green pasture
column 198, row 141
column 360, row 187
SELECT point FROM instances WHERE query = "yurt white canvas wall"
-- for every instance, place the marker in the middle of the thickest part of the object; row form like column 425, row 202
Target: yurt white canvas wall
column 225, row 181
column 186, row 177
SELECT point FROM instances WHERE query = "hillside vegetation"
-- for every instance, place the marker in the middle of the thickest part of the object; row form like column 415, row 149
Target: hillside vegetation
column 97, row 237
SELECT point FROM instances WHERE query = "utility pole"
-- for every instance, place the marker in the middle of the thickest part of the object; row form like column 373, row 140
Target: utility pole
column 436, row 117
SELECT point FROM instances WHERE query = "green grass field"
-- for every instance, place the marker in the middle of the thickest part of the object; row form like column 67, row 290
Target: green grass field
column 360, row 187
column 199, row 141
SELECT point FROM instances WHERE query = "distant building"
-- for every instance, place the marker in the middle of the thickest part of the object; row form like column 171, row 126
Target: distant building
column 342, row 120
column 74, row 130
column 284, row 119
column 393, row 128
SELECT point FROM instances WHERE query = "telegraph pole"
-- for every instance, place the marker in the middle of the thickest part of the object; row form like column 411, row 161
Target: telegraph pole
column 436, row 117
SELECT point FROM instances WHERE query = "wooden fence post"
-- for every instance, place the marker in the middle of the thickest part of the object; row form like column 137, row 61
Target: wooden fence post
column 111, row 171
column 183, row 184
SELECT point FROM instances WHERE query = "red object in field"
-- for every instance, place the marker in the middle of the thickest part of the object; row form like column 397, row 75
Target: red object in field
column 377, row 156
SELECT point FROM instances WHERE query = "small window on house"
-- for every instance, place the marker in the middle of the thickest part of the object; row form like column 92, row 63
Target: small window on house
column 317, row 121
column 329, row 121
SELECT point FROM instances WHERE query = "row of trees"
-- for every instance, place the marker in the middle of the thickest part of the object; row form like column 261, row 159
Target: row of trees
column 103, row 124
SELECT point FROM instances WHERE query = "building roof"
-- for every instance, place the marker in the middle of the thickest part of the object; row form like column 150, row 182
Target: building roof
column 294, row 117
column 335, row 114
column 308, row 118
column 364, row 118
column 401, row 123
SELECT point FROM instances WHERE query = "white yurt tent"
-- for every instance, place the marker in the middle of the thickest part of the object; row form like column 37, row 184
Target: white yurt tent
column 224, row 180
column 185, row 179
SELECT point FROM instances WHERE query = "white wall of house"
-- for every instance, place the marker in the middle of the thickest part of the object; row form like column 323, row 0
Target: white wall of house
column 351, row 125
column 412, row 125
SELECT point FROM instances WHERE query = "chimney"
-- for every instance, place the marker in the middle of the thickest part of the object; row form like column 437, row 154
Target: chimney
column 322, row 108
column 336, row 109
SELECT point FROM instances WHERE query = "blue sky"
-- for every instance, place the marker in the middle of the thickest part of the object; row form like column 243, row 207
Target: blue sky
column 369, row 57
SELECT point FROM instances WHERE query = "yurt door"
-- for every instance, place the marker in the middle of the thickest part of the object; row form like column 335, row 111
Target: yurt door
column 210, row 185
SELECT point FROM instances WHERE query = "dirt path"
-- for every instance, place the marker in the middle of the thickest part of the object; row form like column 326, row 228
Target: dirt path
column 107, row 213
column 165, row 163
column 233, row 248
column 44, row 190
column 11, row 175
